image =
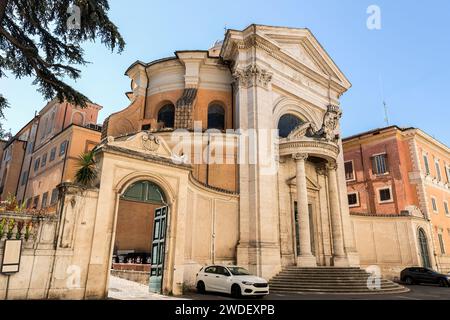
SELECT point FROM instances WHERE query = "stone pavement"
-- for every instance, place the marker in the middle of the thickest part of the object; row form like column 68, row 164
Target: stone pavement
column 121, row 289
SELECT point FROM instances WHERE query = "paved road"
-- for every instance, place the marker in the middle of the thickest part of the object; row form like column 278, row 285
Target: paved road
column 416, row 293
column 121, row 289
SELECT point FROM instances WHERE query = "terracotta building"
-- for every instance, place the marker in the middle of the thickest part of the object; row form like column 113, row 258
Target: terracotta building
column 44, row 152
column 399, row 174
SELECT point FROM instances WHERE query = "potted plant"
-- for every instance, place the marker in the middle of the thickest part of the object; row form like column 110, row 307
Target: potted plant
column 28, row 229
column 20, row 224
column 2, row 228
column 10, row 230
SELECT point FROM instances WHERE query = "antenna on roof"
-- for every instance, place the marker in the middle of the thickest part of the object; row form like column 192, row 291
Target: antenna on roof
column 225, row 28
column 386, row 115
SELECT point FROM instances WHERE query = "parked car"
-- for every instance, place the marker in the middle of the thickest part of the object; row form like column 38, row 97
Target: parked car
column 233, row 280
column 417, row 275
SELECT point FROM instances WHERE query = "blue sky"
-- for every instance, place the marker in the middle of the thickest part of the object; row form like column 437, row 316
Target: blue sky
column 410, row 54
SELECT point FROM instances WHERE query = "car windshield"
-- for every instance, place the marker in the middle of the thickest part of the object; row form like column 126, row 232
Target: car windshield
column 238, row 271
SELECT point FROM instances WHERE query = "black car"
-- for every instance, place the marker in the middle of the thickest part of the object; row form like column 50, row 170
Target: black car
column 418, row 275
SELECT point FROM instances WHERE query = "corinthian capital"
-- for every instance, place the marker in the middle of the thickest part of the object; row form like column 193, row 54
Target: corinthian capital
column 300, row 156
column 321, row 170
column 331, row 166
column 251, row 76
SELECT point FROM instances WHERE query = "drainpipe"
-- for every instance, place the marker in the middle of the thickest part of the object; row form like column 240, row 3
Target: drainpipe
column 208, row 159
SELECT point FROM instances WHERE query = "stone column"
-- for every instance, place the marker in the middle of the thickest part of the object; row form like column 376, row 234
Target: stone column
column 339, row 257
column 305, row 257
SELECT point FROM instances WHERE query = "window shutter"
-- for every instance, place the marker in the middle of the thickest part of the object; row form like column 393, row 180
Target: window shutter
column 374, row 165
column 386, row 163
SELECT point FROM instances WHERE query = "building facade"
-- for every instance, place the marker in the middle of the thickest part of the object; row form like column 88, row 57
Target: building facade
column 398, row 192
column 264, row 104
column 44, row 153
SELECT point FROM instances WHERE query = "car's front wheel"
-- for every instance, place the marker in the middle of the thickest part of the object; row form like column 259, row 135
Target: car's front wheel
column 409, row 280
column 443, row 283
column 201, row 287
column 236, row 291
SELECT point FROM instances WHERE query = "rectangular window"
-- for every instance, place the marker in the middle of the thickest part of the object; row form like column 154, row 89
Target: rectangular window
column 62, row 148
column 52, row 154
column 385, row 195
column 35, row 202
column 29, row 203
column 44, row 160
column 447, row 212
column 427, row 166
column 379, row 164
column 24, row 178
column 447, row 172
column 44, row 200
column 36, row 164
column 353, row 199
column 434, row 204
column 54, row 197
column 349, row 172
column 30, row 147
column 441, row 243
column 438, row 170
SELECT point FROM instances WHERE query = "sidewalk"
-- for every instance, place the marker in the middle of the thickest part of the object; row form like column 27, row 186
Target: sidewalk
column 121, row 289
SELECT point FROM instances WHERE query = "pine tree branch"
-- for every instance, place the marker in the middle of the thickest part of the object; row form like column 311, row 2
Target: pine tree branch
column 3, row 4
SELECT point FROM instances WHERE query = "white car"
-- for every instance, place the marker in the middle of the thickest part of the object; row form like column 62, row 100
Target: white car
column 234, row 280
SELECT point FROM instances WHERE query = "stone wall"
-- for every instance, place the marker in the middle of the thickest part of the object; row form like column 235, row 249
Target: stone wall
column 388, row 242
column 55, row 260
column 38, row 254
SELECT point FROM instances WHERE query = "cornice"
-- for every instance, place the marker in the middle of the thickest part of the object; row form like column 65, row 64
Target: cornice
column 311, row 147
column 255, row 40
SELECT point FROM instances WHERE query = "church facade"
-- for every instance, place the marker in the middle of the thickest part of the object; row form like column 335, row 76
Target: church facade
column 231, row 155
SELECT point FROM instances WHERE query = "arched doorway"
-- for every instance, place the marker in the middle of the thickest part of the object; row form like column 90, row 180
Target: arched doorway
column 139, row 245
column 423, row 245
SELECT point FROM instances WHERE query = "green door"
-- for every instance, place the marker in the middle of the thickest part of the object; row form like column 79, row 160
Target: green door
column 158, row 249
column 423, row 243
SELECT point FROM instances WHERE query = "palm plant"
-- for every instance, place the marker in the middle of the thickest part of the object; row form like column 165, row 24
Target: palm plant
column 87, row 170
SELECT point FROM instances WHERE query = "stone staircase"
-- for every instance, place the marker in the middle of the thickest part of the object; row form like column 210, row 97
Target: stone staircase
column 329, row 280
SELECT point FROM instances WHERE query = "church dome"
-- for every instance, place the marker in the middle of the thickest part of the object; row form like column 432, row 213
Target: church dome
column 214, row 51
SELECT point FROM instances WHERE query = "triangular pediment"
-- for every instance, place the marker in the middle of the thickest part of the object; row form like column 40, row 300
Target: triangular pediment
column 143, row 142
column 301, row 45
column 309, row 183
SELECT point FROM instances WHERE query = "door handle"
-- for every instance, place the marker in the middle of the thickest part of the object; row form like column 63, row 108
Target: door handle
column 217, row 277
column 206, row 275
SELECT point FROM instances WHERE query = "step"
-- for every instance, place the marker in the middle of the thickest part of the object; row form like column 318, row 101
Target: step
column 328, row 280
column 337, row 291
column 314, row 285
column 276, row 281
column 323, row 278
column 325, row 271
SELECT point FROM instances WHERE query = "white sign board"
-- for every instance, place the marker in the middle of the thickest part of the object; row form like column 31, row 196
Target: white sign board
column 11, row 256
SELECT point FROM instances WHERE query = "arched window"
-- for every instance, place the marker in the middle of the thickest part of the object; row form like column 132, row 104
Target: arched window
column 78, row 119
column 287, row 124
column 216, row 117
column 166, row 115
column 144, row 191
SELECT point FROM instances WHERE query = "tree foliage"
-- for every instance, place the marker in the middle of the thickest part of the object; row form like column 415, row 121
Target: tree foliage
column 38, row 40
